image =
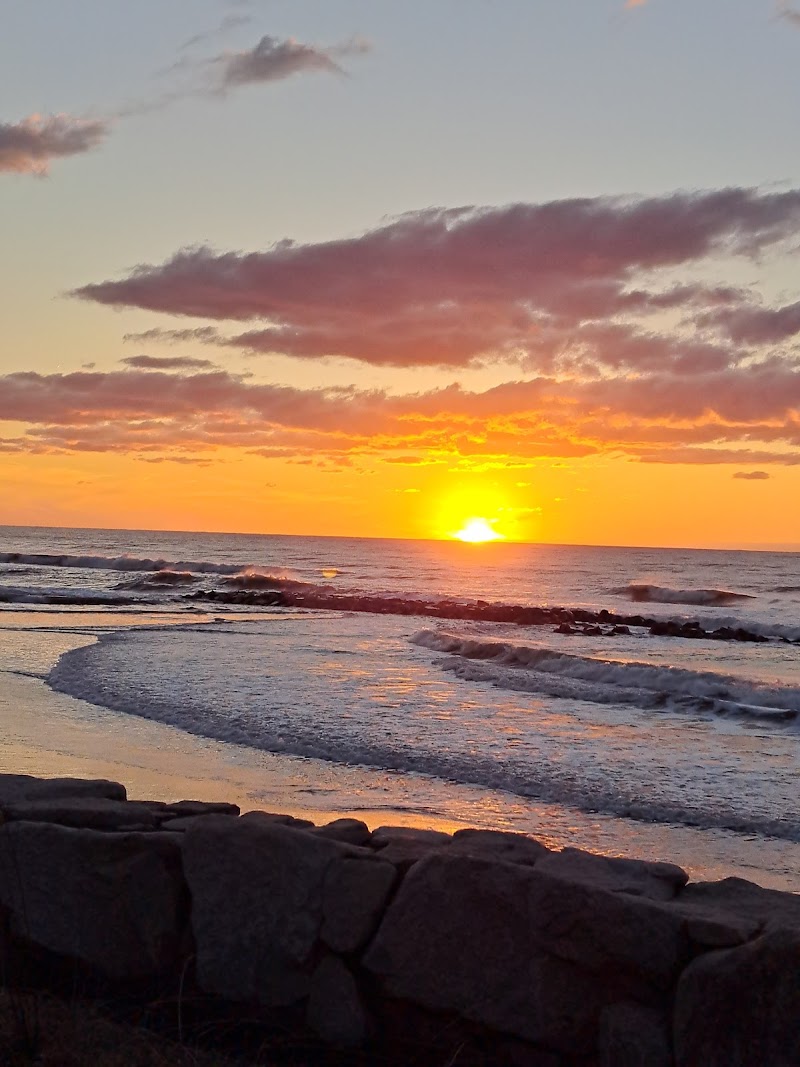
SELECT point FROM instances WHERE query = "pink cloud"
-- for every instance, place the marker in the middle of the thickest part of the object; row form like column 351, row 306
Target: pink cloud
column 745, row 415
column 29, row 146
column 546, row 283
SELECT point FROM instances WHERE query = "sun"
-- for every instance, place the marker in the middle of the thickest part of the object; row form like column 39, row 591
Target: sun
column 476, row 531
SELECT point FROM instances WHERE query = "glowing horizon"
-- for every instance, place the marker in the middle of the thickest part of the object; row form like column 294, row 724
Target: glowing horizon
column 591, row 339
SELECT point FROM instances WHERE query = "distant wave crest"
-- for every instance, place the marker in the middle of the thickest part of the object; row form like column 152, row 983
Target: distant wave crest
column 641, row 593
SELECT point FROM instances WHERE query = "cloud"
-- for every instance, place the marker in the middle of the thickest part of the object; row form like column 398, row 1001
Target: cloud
column 29, row 146
column 273, row 59
column 559, row 286
column 790, row 14
column 752, row 476
column 166, row 362
column 748, row 416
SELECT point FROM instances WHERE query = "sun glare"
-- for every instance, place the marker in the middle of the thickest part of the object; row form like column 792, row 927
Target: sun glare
column 475, row 531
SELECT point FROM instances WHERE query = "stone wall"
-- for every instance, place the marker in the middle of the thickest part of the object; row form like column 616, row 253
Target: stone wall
column 553, row 958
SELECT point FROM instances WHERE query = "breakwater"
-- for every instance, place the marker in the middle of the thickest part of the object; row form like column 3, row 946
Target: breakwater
column 482, row 942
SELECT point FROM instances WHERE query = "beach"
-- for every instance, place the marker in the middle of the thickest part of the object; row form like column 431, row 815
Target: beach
column 319, row 713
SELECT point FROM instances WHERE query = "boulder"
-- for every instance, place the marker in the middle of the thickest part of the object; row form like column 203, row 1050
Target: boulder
column 18, row 787
column 275, row 819
column 499, row 844
column 404, row 846
column 355, row 894
column 737, row 899
column 335, row 1009
column 259, row 905
column 114, row 902
column 632, row 1035
column 740, row 1007
column 521, row 952
column 408, row 835
column 184, row 808
column 351, row 831
column 91, row 813
column 642, row 878
column 186, row 822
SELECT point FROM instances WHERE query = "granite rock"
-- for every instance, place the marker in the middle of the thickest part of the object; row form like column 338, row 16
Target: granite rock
column 113, row 901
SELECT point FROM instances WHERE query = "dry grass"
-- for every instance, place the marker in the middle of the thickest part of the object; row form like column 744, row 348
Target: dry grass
column 75, row 1034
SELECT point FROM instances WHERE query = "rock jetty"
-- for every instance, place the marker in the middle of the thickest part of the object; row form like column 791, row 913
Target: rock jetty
column 482, row 942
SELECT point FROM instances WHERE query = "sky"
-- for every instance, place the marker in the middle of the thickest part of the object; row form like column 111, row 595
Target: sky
column 364, row 267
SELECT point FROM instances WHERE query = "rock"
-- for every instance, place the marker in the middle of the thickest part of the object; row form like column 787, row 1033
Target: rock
column 632, row 1035
column 404, row 846
column 735, row 898
column 524, row 953
column 273, row 819
column 258, row 906
column 656, row 881
column 740, row 1007
column 335, row 1008
column 115, row 902
column 91, row 813
column 351, row 831
column 409, row 836
column 499, row 844
column 18, row 787
column 184, row 808
column 186, row 822
column 354, row 897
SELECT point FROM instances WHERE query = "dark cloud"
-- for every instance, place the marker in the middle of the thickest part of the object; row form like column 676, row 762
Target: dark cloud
column 273, row 59
column 752, row 476
column 166, row 362
column 29, row 146
column 566, row 284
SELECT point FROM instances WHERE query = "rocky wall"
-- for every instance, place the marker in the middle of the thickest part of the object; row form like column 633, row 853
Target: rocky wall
column 553, row 958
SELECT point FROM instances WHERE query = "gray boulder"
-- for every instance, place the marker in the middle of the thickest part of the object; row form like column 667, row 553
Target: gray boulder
column 259, row 906
column 274, row 819
column 524, row 953
column 632, row 1035
column 115, row 902
column 185, row 808
column 335, row 1009
column 403, row 846
column 740, row 1007
column 408, row 835
column 90, row 813
column 657, row 881
column 735, row 898
column 351, row 831
column 499, row 844
column 18, row 787
column 355, row 894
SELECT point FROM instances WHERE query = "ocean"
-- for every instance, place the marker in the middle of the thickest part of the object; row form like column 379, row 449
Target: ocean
column 641, row 702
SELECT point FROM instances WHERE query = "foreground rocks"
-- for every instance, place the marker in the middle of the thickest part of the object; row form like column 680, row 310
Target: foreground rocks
column 484, row 943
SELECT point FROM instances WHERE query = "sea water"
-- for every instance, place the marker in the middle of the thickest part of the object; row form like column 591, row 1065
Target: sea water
column 627, row 742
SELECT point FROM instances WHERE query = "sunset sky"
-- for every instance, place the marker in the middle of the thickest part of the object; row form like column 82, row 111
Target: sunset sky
column 371, row 267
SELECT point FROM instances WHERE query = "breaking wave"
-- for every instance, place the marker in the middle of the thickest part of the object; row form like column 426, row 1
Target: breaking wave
column 600, row 681
column 656, row 594
column 119, row 563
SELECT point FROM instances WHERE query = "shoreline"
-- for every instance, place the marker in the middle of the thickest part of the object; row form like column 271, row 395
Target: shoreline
column 50, row 734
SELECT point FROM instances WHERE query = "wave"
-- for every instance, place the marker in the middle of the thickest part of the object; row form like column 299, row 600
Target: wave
column 163, row 579
column 786, row 589
column 600, row 681
column 77, row 674
column 640, row 593
column 15, row 595
column 119, row 563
